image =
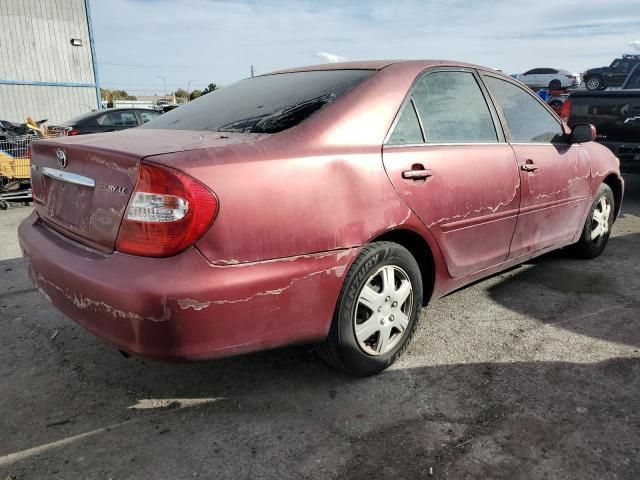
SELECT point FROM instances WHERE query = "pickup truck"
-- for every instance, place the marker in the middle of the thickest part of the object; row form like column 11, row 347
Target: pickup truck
column 616, row 116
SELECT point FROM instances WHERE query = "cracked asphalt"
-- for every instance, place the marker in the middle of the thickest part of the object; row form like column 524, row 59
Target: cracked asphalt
column 534, row 373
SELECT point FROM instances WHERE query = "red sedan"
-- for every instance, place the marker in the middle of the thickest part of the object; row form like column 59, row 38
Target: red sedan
column 323, row 204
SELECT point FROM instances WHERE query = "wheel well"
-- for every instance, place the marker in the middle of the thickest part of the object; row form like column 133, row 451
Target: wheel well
column 420, row 250
column 616, row 187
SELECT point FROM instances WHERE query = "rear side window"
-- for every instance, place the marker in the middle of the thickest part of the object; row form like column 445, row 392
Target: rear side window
column 118, row 119
column 407, row 130
column 266, row 104
column 148, row 116
column 453, row 109
column 528, row 121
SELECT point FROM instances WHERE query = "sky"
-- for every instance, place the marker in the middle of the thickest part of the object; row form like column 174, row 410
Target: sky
column 217, row 41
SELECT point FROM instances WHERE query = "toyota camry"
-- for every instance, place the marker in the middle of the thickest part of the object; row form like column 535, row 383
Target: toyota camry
column 324, row 204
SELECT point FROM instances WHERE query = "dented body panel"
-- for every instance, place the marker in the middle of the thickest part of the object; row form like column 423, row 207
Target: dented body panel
column 205, row 310
column 295, row 208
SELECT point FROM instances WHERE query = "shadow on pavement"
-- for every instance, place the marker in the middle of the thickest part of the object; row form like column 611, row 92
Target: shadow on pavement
column 598, row 298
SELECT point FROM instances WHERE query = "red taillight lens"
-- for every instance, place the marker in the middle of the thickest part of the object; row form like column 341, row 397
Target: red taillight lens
column 72, row 132
column 565, row 112
column 167, row 213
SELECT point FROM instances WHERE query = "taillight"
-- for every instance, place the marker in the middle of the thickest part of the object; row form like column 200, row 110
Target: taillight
column 565, row 112
column 167, row 213
column 72, row 132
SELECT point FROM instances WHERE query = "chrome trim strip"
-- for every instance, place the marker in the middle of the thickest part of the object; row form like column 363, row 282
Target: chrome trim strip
column 470, row 144
column 69, row 177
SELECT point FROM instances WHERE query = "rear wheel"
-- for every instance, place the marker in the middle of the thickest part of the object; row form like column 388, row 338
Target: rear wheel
column 597, row 228
column 555, row 84
column 595, row 83
column 377, row 310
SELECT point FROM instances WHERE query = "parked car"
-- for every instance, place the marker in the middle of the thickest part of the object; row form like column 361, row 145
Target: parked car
column 321, row 204
column 548, row 78
column 616, row 115
column 109, row 120
column 612, row 76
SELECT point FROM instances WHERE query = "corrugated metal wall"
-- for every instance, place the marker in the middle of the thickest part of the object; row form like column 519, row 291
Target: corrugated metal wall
column 35, row 46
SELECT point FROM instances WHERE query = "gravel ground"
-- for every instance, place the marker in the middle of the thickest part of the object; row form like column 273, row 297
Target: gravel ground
column 534, row 373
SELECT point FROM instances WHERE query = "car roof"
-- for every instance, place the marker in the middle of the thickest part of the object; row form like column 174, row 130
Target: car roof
column 378, row 65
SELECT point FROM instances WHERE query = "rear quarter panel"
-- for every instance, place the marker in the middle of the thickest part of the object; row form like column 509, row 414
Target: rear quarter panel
column 316, row 187
column 274, row 206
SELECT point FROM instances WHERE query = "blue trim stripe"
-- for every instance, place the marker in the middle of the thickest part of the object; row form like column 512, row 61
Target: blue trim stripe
column 46, row 84
column 94, row 58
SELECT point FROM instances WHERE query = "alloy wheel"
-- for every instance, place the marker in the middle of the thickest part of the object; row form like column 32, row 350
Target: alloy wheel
column 593, row 83
column 383, row 309
column 600, row 220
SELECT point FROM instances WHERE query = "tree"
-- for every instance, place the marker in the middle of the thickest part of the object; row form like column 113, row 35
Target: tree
column 195, row 94
column 113, row 95
column 181, row 93
column 210, row 88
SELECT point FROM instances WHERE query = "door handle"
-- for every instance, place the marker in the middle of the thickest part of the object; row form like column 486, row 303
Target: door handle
column 529, row 166
column 420, row 174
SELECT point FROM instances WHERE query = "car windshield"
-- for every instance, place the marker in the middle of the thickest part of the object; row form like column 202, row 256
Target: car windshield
column 265, row 104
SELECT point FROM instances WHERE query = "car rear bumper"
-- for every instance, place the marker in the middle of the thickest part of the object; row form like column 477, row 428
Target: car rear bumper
column 183, row 307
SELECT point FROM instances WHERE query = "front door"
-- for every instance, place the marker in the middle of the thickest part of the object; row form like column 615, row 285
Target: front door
column 451, row 165
column 617, row 73
column 554, row 175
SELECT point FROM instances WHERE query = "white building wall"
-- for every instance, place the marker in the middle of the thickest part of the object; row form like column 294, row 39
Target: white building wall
column 41, row 73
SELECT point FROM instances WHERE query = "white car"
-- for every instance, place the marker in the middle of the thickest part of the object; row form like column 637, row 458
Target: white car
column 553, row 78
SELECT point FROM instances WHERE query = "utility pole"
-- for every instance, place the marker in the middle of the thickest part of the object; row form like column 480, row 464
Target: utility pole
column 164, row 82
column 189, row 91
column 252, row 71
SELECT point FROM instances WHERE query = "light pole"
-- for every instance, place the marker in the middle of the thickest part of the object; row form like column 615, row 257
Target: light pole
column 189, row 91
column 164, row 82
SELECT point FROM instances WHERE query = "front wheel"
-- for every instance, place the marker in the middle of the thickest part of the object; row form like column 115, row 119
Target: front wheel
column 377, row 310
column 595, row 83
column 597, row 228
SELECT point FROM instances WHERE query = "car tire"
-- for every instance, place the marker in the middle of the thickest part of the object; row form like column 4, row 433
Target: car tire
column 555, row 84
column 386, row 314
column 594, row 83
column 597, row 227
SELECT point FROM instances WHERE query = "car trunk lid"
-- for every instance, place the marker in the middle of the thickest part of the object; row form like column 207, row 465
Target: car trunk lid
column 82, row 185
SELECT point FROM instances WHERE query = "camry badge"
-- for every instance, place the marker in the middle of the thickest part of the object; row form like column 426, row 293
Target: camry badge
column 62, row 158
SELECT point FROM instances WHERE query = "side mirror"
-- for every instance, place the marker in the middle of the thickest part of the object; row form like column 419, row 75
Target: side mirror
column 583, row 133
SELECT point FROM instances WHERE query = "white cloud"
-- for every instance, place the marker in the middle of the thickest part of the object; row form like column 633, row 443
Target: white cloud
column 331, row 57
column 217, row 41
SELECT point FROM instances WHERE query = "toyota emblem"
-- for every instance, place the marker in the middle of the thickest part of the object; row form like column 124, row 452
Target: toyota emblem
column 62, row 158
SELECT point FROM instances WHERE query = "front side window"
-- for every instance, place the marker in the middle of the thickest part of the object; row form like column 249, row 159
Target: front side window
column 264, row 104
column 527, row 119
column 623, row 67
column 453, row 109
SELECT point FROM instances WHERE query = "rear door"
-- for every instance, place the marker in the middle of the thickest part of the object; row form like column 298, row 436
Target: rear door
column 554, row 176
column 450, row 163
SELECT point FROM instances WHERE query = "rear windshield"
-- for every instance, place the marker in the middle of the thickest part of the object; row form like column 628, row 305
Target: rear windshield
column 266, row 104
